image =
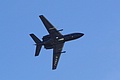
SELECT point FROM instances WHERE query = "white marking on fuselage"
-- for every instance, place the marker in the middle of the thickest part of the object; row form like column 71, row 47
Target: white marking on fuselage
column 57, row 37
column 61, row 39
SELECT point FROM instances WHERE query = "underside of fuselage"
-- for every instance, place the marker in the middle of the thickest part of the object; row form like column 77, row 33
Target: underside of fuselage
column 50, row 42
column 72, row 36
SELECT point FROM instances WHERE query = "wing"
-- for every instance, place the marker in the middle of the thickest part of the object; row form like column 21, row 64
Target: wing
column 50, row 28
column 56, row 54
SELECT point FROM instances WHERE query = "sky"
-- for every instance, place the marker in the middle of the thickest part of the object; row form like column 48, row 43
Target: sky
column 95, row 56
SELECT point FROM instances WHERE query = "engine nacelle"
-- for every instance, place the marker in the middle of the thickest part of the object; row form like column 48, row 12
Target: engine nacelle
column 47, row 42
column 46, row 38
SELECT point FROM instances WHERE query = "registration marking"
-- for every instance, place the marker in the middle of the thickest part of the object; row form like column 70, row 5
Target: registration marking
column 56, row 60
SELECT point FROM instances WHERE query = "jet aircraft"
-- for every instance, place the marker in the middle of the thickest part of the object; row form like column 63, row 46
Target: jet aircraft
column 54, row 40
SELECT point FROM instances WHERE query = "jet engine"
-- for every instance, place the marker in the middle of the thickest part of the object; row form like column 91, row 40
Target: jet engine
column 47, row 42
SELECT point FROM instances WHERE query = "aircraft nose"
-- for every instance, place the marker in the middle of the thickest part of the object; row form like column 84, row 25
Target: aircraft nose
column 80, row 34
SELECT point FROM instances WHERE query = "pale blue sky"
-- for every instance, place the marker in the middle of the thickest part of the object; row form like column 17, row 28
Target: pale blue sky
column 95, row 56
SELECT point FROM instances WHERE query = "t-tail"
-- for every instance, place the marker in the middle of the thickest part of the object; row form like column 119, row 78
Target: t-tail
column 38, row 44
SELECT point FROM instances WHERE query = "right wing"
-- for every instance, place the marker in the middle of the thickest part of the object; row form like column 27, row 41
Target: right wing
column 50, row 28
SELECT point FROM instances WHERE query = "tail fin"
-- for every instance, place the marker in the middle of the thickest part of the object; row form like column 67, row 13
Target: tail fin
column 38, row 44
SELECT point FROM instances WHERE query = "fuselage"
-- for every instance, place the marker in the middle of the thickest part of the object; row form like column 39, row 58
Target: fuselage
column 72, row 36
column 49, row 42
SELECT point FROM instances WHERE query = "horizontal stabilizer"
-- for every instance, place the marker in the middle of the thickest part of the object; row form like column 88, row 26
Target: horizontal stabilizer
column 38, row 44
column 37, row 40
column 38, row 48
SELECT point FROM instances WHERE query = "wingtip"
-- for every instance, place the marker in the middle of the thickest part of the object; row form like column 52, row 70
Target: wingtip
column 31, row 34
column 53, row 68
column 36, row 55
column 40, row 15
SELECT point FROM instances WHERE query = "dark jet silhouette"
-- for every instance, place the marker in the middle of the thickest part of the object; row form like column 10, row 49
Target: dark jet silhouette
column 54, row 40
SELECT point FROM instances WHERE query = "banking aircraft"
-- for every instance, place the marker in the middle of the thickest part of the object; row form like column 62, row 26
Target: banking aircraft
column 54, row 40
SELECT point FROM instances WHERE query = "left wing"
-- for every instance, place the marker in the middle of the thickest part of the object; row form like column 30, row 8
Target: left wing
column 50, row 28
column 56, row 54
